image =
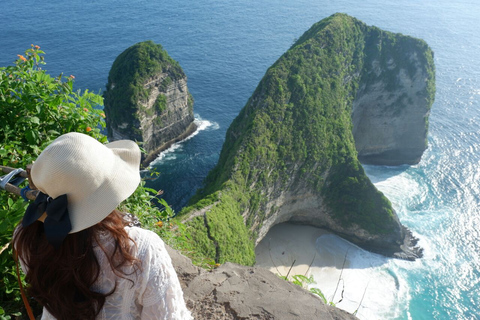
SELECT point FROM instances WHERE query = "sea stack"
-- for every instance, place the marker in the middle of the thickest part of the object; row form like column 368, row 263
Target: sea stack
column 147, row 99
column 291, row 154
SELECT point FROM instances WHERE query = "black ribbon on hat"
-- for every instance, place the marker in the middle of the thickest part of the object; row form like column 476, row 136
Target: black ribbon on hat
column 57, row 223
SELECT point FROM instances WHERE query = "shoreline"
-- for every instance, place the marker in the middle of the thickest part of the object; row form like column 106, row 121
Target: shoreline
column 286, row 244
column 352, row 278
column 191, row 129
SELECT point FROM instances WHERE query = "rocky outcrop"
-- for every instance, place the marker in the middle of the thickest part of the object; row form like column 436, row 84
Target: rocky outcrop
column 309, row 209
column 238, row 292
column 291, row 153
column 147, row 99
column 391, row 108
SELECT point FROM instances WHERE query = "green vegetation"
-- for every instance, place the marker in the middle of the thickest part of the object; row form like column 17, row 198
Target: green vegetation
column 35, row 108
column 160, row 103
column 126, row 90
column 354, row 199
column 165, row 83
column 304, row 281
column 190, row 102
column 387, row 49
column 295, row 133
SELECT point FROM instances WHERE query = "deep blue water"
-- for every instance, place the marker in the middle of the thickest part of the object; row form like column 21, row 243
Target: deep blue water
column 225, row 48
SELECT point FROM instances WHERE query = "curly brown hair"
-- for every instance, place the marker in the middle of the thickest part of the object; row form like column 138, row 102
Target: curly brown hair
column 60, row 279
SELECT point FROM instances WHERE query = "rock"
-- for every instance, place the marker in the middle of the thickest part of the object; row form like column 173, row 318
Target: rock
column 291, row 154
column 184, row 267
column 238, row 292
column 392, row 105
column 147, row 99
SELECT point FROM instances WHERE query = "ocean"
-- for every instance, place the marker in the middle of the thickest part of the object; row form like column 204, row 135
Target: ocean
column 226, row 46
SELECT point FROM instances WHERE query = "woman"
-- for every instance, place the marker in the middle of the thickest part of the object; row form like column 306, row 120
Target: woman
column 81, row 261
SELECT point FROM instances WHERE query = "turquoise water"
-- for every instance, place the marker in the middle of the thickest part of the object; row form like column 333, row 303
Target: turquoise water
column 225, row 48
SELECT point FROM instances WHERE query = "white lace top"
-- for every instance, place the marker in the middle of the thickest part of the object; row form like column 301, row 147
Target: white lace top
column 156, row 291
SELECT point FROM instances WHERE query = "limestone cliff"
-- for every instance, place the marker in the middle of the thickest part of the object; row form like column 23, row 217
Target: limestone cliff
column 147, row 99
column 391, row 108
column 291, row 153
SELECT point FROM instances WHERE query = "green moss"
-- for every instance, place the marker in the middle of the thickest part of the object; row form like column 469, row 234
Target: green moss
column 228, row 231
column 350, row 194
column 190, row 102
column 199, row 235
column 165, row 83
column 160, row 104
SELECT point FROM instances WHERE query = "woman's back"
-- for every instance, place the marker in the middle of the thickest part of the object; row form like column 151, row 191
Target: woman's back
column 81, row 261
column 153, row 292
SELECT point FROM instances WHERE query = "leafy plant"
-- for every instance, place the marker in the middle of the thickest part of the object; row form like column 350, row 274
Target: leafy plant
column 35, row 108
column 304, row 282
column 11, row 211
column 319, row 293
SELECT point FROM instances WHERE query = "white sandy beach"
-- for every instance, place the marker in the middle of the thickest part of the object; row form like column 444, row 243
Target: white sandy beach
column 288, row 243
column 366, row 283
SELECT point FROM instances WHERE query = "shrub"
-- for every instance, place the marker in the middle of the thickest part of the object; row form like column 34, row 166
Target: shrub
column 35, row 108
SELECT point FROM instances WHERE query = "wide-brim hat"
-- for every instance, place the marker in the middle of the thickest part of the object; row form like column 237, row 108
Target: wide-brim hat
column 95, row 177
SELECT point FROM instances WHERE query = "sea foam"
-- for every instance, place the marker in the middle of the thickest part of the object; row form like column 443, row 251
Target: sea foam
column 169, row 154
column 358, row 281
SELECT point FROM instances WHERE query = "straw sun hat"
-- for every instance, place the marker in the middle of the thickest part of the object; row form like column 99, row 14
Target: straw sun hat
column 95, row 177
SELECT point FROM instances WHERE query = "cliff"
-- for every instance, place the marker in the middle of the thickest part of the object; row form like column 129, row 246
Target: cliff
column 391, row 108
column 238, row 292
column 147, row 99
column 290, row 155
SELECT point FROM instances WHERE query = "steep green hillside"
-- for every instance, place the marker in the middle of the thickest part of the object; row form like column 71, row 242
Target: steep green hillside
column 290, row 154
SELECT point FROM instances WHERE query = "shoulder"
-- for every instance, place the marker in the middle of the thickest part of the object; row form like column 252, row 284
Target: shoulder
column 140, row 234
column 145, row 240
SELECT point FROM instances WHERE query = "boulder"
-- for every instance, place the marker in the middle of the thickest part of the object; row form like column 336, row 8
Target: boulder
column 236, row 292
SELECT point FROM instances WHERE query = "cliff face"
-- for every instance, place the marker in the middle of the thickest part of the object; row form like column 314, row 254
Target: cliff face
column 291, row 153
column 390, row 112
column 238, row 292
column 147, row 99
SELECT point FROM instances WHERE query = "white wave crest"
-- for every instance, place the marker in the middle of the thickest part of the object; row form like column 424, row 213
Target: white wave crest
column 203, row 124
column 169, row 154
column 367, row 284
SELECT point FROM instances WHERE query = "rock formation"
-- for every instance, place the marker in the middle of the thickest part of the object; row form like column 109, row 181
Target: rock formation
column 147, row 99
column 391, row 108
column 237, row 292
column 290, row 155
